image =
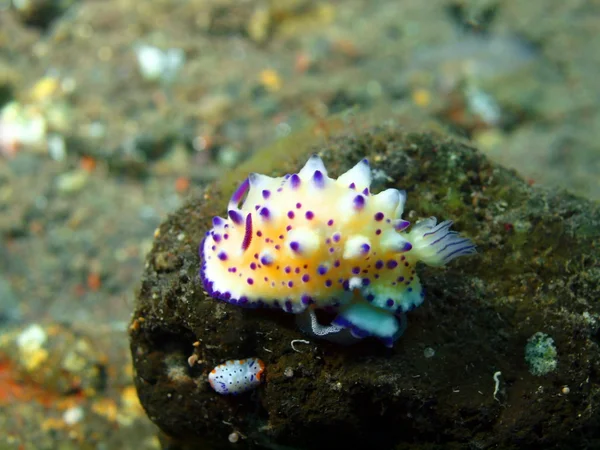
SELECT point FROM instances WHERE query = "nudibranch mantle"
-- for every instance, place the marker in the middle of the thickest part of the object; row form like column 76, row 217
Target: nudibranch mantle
column 305, row 241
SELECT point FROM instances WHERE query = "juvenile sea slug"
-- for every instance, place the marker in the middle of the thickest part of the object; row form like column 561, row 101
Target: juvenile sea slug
column 306, row 241
column 236, row 376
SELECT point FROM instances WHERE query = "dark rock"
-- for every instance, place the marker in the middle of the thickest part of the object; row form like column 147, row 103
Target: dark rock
column 41, row 13
column 537, row 270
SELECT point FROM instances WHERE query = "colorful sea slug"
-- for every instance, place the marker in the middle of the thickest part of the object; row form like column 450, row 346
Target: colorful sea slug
column 236, row 376
column 306, row 241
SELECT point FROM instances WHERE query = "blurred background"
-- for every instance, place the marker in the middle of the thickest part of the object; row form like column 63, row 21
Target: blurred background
column 112, row 112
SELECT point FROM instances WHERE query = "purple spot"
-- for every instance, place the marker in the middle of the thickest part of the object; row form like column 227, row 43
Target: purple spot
column 266, row 260
column 291, row 214
column 378, row 216
column 322, row 270
column 253, row 266
column 243, row 300
column 336, row 237
column 306, row 299
column 266, row 193
column 298, row 205
column 222, row 256
column 365, row 248
column 288, row 228
column 259, row 233
column 379, row 265
column 366, row 281
column 250, row 281
column 265, row 213
column 356, row 270
column 392, row 264
column 216, row 237
column 309, row 215
column 366, row 191
column 225, row 236
column 318, row 179
column 331, row 249
column 295, row 246
column 290, row 284
column 235, row 217
column 217, row 221
column 352, row 185
column 305, row 278
column 330, row 222
column 336, row 263
column 378, row 232
column 295, row 181
column 287, row 269
column 409, row 289
column 400, row 279
column 359, row 202
column 248, row 233
column 277, row 247
column 297, row 270
column 389, row 302
column 328, row 283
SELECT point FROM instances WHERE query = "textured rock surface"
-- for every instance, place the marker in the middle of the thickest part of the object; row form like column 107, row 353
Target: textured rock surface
column 537, row 270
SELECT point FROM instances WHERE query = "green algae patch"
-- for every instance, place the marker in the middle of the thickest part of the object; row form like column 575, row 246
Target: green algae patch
column 536, row 271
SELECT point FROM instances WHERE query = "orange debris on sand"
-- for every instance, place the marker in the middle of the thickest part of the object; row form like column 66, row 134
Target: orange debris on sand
column 182, row 184
column 87, row 163
column 93, row 281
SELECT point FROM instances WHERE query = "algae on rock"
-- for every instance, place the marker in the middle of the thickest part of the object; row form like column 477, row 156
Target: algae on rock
column 536, row 271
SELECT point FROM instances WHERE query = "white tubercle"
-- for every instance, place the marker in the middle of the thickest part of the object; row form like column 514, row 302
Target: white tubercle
column 302, row 241
column 387, row 201
column 360, row 175
column 394, row 242
column 314, row 163
column 356, row 246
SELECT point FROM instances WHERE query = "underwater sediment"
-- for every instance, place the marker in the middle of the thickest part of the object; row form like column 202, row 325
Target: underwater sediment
column 458, row 376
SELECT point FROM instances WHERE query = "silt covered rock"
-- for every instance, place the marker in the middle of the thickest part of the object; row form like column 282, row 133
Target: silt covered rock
column 458, row 378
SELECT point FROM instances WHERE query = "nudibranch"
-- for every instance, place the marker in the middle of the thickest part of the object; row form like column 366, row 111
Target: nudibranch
column 236, row 376
column 306, row 241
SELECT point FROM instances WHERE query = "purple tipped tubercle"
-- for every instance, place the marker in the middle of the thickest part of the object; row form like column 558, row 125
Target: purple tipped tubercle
column 318, row 179
column 359, row 202
column 235, row 217
column 239, row 193
column 295, row 181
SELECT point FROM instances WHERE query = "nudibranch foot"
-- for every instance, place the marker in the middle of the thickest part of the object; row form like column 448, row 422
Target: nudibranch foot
column 306, row 240
column 364, row 320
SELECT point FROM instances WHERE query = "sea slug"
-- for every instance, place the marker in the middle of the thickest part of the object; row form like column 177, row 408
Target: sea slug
column 236, row 376
column 306, row 241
